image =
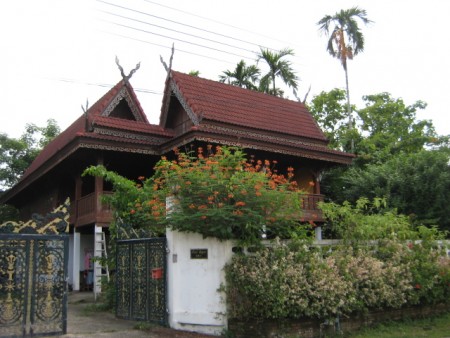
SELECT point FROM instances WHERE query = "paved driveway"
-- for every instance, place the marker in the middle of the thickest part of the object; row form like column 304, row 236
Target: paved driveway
column 83, row 323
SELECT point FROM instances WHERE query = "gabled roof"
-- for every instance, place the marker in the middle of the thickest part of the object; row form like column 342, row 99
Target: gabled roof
column 98, row 126
column 223, row 103
column 227, row 114
column 219, row 113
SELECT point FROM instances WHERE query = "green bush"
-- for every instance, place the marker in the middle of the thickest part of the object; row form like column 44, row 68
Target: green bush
column 382, row 262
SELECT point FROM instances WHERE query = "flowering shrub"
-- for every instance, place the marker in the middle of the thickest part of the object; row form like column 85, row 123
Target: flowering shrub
column 298, row 280
column 288, row 282
column 216, row 192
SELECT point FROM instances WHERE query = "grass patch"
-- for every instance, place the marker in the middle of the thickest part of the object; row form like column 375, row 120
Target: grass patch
column 434, row 327
column 143, row 326
column 89, row 309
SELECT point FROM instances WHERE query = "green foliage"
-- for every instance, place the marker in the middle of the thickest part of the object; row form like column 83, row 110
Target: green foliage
column 218, row 194
column 390, row 128
column 134, row 204
column 242, row 76
column 249, row 76
column 367, row 221
column 345, row 39
column 399, row 158
column 330, row 111
column 384, row 262
column 417, row 185
column 278, row 67
column 16, row 155
column 435, row 327
column 8, row 213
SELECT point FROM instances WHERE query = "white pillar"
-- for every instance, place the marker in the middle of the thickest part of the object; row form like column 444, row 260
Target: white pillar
column 318, row 232
column 97, row 266
column 195, row 274
column 76, row 261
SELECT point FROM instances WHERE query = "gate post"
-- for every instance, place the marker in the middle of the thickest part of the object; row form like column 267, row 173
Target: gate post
column 97, row 266
column 195, row 274
column 76, row 261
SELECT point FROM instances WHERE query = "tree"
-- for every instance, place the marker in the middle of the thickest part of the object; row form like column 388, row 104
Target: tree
column 328, row 108
column 415, row 184
column 16, row 155
column 278, row 67
column 242, row 76
column 345, row 40
column 390, row 127
column 385, row 127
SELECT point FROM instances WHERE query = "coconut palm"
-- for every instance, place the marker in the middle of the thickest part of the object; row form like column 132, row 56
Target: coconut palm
column 277, row 68
column 345, row 40
column 241, row 76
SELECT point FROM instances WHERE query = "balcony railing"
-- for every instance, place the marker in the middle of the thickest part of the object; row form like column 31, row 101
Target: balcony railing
column 311, row 211
column 88, row 211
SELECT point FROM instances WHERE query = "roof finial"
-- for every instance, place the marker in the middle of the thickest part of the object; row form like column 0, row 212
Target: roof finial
column 170, row 61
column 86, row 120
column 125, row 77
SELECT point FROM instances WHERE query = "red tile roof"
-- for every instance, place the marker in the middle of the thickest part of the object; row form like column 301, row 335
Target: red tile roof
column 95, row 119
column 262, row 119
column 229, row 104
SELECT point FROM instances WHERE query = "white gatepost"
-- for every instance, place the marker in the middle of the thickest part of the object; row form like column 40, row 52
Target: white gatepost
column 195, row 276
column 76, row 261
column 97, row 265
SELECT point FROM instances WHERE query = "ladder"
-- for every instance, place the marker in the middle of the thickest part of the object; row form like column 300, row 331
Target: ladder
column 100, row 271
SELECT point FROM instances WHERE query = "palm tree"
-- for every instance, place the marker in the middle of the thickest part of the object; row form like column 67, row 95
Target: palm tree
column 345, row 40
column 242, row 76
column 277, row 68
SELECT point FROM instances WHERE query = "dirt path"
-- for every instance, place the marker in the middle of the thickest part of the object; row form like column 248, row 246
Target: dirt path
column 83, row 322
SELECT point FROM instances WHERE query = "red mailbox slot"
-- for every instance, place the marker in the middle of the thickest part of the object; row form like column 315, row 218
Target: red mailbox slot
column 157, row 273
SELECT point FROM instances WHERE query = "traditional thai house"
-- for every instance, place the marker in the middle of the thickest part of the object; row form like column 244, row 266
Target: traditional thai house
column 115, row 132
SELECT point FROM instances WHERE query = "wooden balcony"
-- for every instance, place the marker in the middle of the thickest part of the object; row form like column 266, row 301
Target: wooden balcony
column 89, row 209
column 311, row 211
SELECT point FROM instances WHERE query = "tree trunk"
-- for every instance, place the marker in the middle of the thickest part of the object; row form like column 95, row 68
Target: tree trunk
column 349, row 108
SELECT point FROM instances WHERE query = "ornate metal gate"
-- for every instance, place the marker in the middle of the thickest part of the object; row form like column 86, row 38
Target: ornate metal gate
column 33, row 271
column 141, row 280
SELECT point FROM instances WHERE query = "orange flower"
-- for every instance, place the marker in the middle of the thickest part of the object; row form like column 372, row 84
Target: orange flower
column 141, row 178
column 239, row 204
column 203, row 217
column 311, row 183
column 132, row 211
column 267, row 163
column 192, row 206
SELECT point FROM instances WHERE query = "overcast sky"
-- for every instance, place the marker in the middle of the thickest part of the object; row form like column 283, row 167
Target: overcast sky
column 57, row 54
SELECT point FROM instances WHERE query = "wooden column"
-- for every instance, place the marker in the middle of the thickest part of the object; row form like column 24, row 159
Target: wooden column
column 98, row 188
column 78, row 189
